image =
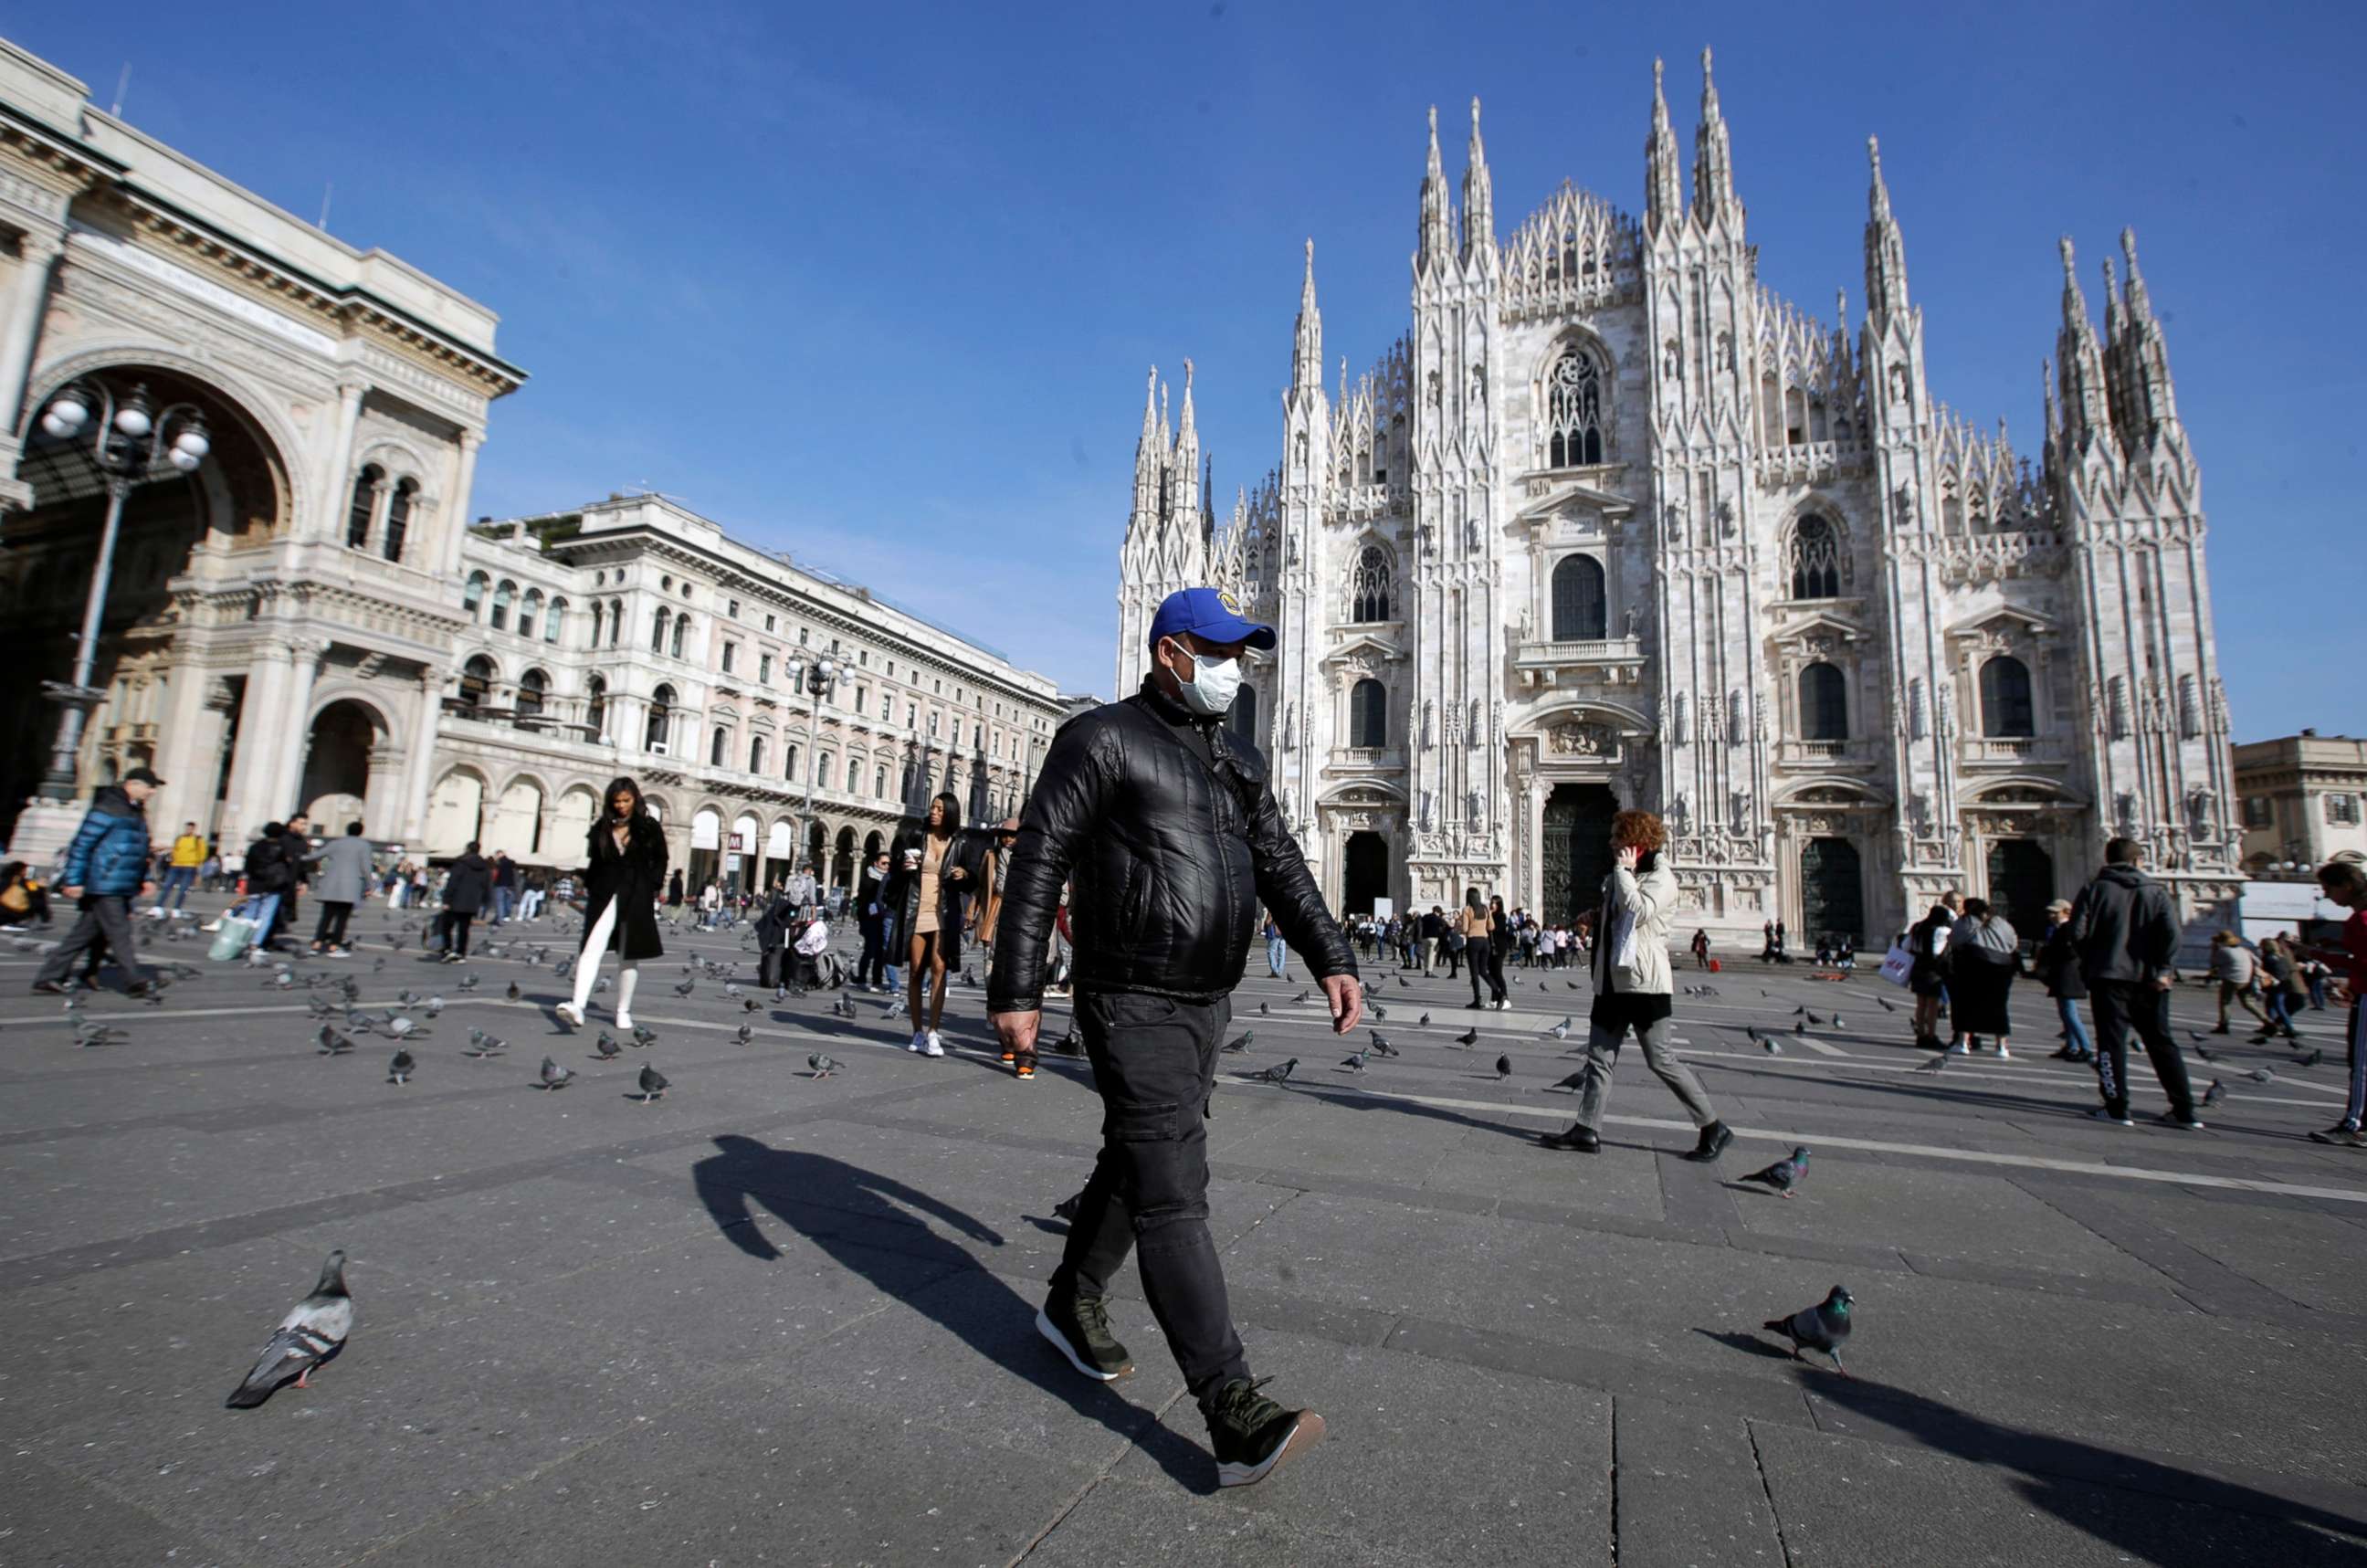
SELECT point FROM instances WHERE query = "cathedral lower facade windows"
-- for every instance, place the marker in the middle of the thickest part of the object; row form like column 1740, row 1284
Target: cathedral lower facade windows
column 1582, row 605
column 1371, row 586
column 1577, row 410
column 1816, row 561
column 2008, row 711
column 1368, row 714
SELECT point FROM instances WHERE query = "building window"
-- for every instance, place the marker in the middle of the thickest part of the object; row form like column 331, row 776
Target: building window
column 1368, row 714
column 615, row 622
column 2256, row 810
column 364, row 506
column 853, row 774
column 2342, row 810
column 757, row 753
column 1582, row 611
column 472, row 597
column 681, row 631
column 880, row 781
column 476, row 681
column 789, row 762
column 862, row 696
column 1368, row 585
column 528, row 612
column 556, row 619
column 763, row 669
column 822, row 769
column 2005, row 710
column 732, row 607
column 730, row 656
column 398, row 519
column 1574, row 411
column 1815, row 559
column 715, row 745
column 661, row 719
column 595, row 705
column 1824, row 704
column 533, row 687
column 658, row 630
column 504, row 597
column 771, row 624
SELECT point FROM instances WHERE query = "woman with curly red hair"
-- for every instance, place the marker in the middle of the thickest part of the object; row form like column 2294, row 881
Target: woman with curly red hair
column 1632, row 985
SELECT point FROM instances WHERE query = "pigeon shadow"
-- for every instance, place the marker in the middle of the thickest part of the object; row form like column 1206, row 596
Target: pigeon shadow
column 879, row 1228
column 2115, row 1496
column 1753, row 1344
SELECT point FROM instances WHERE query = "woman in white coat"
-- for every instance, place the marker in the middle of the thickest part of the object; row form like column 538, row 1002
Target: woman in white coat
column 1632, row 983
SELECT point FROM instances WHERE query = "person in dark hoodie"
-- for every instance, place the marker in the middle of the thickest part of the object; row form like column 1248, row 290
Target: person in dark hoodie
column 465, row 894
column 271, row 880
column 107, row 867
column 2127, row 933
column 296, row 848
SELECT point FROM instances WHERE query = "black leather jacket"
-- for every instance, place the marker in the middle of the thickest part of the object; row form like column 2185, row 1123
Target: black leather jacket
column 1166, row 860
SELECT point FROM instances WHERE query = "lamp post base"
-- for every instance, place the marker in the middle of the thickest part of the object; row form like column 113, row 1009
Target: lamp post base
column 43, row 829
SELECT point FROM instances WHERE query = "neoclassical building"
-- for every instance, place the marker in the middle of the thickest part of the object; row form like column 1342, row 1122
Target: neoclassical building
column 280, row 619
column 1612, row 523
column 633, row 636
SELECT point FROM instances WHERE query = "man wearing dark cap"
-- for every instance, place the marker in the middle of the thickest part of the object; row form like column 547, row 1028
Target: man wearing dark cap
column 107, row 867
column 1165, row 831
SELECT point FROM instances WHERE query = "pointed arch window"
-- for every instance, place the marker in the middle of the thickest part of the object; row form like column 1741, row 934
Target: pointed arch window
column 364, row 507
column 1574, row 411
column 472, row 597
column 1368, row 714
column 1369, row 585
column 1824, row 703
column 1582, row 611
column 2007, row 711
column 398, row 519
column 1815, row 559
column 595, row 705
column 661, row 723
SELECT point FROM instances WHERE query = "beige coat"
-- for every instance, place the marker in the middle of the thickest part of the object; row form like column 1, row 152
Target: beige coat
column 1652, row 898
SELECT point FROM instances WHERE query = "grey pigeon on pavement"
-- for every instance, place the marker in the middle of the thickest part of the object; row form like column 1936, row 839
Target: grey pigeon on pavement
column 1277, row 1073
column 1422, row 1022
column 1265, row 1010
column 743, row 1034
column 2215, row 1092
column 1381, row 1044
column 1467, row 1039
column 644, row 1035
column 1935, row 1065
column 1503, row 1068
column 824, row 1067
column 607, row 1047
column 1784, row 1175
column 1241, row 1040
column 654, row 1084
column 2312, row 1060
column 1561, row 1031
column 484, row 1045
column 470, row 981
column 311, row 1333
column 400, row 1070
column 554, row 1076
column 1067, row 1207
column 686, row 987
column 1825, row 1326
column 333, row 1043
column 1887, row 1006
column 514, row 992
column 1571, row 1083
column 2263, row 1076
column 1355, row 1063
column 1377, row 1010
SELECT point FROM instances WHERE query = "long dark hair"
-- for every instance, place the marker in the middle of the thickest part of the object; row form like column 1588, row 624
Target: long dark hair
column 623, row 783
column 637, row 826
column 952, row 805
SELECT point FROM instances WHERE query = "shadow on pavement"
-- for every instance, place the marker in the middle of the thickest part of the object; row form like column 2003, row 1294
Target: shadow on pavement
column 2095, row 1489
column 868, row 1223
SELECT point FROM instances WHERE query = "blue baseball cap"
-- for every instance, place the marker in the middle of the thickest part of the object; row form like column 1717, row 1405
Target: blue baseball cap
column 1210, row 613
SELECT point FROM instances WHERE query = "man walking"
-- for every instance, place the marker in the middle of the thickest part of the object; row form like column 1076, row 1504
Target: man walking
column 107, row 867
column 181, row 871
column 505, row 881
column 295, row 849
column 2346, row 884
column 1154, row 793
column 2126, row 935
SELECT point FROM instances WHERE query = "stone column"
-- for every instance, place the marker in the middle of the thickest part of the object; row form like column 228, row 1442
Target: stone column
column 409, row 820
column 335, row 492
column 295, row 721
column 189, row 747
column 262, row 716
column 22, row 330
column 455, row 508
column 390, row 768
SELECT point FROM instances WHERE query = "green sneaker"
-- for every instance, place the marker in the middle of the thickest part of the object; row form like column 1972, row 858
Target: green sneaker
column 1078, row 1327
column 1251, row 1434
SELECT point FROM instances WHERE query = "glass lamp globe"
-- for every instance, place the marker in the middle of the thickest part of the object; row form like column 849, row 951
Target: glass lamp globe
column 193, row 442
column 70, row 412
column 132, row 419
column 185, row 462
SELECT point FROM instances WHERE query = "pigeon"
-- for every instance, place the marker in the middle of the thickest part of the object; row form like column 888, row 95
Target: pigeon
column 1241, row 1041
column 1379, row 1011
column 1355, row 1063
column 1545, row 985
column 731, row 989
column 644, row 1035
column 824, row 1067
column 842, row 1008
column 1381, row 1045
column 1801, row 1027
column 1825, row 1326
column 470, row 981
column 1570, row 1084
column 554, row 1076
column 333, row 1043
column 654, row 1084
column 1467, row 1039
column 2312, row 1060
column 88, row 1034
column 514, row 992
column 1935, row 1065
column 686, row 987
column 750, row 1005
column 1561, row 1031
column 1424, row 1022
column 434, row 1009
column 1784, row 1175
column 1837, row 1022
column 1887, row 1005
column 485, row 1045
column 1764, row 1042
column 1303, row 998
column 1503, row 1068
column 1571, row 984
column 2263, row 1076
column 1265, row 1010
column 743, row 1034
column 399, row 1071
column 2215, row 1092
column 1276, row 1074
column 310, row 1334
column 1403, row 984
column 1067, row 1207
column 562, row 969
column 607, row 1047
column 1799, row 1012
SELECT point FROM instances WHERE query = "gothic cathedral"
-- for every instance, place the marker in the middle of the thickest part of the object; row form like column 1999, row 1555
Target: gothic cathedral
column 1611, row 525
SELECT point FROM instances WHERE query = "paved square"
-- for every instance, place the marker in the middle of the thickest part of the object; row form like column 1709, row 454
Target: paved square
column 772, row 1319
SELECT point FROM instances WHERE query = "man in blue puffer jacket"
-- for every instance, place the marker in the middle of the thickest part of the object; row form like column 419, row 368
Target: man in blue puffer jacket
column 107, row 867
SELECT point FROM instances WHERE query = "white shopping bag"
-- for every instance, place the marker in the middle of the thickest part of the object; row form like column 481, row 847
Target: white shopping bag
column 1897, row 964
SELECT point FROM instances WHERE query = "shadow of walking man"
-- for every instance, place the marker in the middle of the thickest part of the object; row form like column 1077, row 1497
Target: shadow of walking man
column 878, row 1229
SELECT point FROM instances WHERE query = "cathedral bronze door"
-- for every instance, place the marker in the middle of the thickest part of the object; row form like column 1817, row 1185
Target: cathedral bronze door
column 1832, row 893
column 1576, row 856
column 1366, row 869
column 2022, row 884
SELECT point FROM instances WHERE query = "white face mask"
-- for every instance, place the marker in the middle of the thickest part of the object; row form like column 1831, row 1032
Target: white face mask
column 1214, row 685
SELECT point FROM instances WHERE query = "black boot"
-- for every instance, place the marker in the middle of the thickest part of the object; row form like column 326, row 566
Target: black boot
column 1579, row 1139
column 1714, row 1140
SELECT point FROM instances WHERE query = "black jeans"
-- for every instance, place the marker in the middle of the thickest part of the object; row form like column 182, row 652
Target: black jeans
column 872, row 970
column 2122, row 1005
column 456, row 931
column 331, row 931
column 1155, row 1063
column 1487, row 964
column 105, row 917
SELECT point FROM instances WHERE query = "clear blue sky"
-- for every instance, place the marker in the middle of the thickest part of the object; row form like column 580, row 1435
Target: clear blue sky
column 876, row 284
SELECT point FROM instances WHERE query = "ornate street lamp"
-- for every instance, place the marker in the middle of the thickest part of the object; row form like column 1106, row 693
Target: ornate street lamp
column 128, row 436
column 818, row 680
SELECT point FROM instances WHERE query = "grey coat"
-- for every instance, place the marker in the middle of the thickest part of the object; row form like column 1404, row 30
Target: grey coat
column 343, row 869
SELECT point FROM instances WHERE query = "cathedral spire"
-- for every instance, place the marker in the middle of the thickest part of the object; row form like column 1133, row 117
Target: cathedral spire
column 1306, row 355
column 1148, row 454
column 2087, row 417
column 1885, row 250
column 2154, row 400
column 1187, row 480
column 1713, row 158
column 1478, row 198
column 1435, row 232
column 1664, row 197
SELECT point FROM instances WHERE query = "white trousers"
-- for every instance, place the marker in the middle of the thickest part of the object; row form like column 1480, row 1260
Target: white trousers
column 587, row 967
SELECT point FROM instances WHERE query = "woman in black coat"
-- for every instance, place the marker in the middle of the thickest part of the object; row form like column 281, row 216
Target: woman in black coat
column 932, row 901
column 466, row 891
column 625, row 870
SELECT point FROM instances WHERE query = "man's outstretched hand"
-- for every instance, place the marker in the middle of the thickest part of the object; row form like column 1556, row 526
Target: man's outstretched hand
column 1346, row 993
column 1017, row 1030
